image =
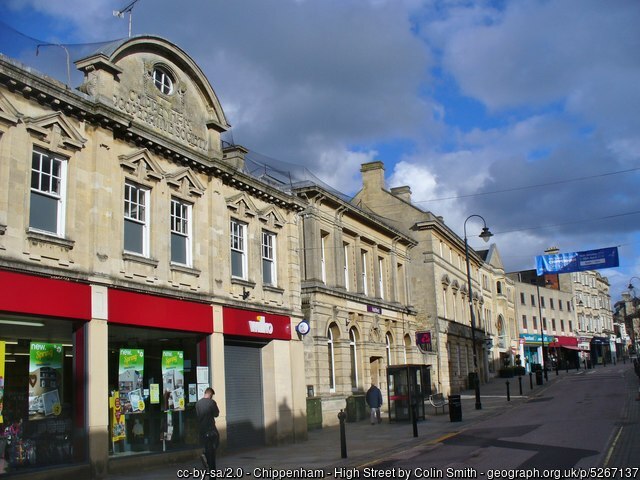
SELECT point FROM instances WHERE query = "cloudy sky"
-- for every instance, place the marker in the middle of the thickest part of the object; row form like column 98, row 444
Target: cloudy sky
column 526, row 113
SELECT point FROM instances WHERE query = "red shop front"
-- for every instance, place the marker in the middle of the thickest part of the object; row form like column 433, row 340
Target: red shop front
column 565, row 350
column 155, row 346
column 43, row 389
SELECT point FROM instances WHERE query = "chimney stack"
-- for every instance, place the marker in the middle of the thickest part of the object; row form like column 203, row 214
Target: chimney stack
column 403, row 193
column 372, row 175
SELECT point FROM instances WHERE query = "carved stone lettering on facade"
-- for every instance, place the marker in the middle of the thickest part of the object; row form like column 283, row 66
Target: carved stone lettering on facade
column 150, row 110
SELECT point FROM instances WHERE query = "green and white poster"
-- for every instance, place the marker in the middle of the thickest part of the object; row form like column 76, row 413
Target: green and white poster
column 130, row 379
column 45, row 379
column 173, row 379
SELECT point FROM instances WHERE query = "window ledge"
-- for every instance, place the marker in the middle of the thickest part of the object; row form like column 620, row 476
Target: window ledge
column 40, row 237
column 240, row 281
column 271, row 288
column 184, row 269
column 132, row 257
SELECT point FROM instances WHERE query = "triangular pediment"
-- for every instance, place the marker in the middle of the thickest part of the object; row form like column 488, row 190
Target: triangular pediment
column 8, row 113
column 271, row 217
column 186, row 182
column 494, row 259
column 242, row 205
column 142, row 165
column 56, row 130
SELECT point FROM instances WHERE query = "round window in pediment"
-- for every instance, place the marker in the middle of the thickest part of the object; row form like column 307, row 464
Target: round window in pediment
column 163, row 80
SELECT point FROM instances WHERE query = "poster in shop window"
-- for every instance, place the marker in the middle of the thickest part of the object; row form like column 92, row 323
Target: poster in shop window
column 173, row 379
column 45, row 379
column 118, row 430
column 130, row 379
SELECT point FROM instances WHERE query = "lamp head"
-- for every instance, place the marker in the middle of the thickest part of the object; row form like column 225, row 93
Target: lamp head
column 630, row 287
column 486, row 234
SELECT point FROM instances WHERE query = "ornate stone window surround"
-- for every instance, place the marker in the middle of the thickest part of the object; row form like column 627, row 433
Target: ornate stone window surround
column 54, row 137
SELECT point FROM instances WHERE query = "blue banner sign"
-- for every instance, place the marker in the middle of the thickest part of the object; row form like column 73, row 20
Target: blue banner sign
column 577, row 261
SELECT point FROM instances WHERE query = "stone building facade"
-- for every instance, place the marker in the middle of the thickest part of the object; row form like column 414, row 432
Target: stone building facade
column 438, row 283
column 594, row 313
column 356, row 297
column 126, row 227
column 499, row 313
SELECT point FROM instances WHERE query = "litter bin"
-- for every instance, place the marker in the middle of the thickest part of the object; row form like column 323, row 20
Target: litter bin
column 455, row 408
column 538, row 377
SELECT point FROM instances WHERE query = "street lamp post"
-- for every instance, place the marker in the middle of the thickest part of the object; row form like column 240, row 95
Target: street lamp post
column 633, row 332
column 485, row 235
column 544, row 367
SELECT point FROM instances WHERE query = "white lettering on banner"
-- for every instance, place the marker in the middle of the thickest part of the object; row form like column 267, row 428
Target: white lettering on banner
column 261, row 326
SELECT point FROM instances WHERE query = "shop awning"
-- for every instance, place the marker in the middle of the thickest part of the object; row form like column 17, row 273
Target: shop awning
column 575, row 347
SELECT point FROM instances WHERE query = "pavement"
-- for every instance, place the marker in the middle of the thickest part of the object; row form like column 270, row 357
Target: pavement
column 367, row 444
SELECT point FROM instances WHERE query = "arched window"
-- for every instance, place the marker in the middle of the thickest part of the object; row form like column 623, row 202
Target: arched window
column 407, row 347
column 353, row 340
column 502, row 333
column 331, row 358
column 389, row 341
column 499, row 287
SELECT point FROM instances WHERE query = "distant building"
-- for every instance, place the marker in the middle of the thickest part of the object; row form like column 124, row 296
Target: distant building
column 541, row 306
column 438, row 286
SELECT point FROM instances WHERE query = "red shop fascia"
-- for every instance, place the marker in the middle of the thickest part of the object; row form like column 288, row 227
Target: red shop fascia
column 27, row 295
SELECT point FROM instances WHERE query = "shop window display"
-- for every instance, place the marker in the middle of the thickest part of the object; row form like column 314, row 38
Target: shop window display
column 153, row 388
column 37, row 396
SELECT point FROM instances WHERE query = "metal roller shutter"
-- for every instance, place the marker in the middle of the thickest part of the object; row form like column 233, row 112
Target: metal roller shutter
column 245, row 415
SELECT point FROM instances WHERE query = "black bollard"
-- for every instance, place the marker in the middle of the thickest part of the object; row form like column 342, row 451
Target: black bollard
column 566, row 365
column 557, row 367
column 578, row 366
column 414, row 419
column 508, row 393
column 343, row 437
column 531, row 380
column 520, row 384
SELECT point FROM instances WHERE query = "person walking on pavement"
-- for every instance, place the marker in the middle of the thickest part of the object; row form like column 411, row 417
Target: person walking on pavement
column 207, row 410
column 374, row 400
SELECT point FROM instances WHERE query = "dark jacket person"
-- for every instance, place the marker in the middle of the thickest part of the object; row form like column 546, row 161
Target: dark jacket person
column 207, row 411
column 374, row 400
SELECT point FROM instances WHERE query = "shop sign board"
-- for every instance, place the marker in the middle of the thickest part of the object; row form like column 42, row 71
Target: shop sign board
column 45, row 379
column 130, row 379
column 248, row 323
column 535, row 338
column 142, row 310
column 173, row 379
column 423, row 341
